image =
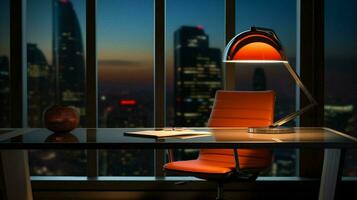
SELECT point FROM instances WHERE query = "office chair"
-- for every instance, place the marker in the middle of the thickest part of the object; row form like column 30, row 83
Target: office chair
column 232, row 109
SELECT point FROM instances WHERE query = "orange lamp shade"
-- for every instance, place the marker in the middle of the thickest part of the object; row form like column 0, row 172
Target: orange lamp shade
column 257, row 51
column 255, row 45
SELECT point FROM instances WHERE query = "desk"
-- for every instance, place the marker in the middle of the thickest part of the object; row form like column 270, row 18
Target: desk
column 14, row 143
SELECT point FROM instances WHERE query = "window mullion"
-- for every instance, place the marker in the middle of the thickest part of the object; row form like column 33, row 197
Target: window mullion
column 91, row 83
column 159, row 77
column 18, row 74
column 229, row 72
column 310, row 64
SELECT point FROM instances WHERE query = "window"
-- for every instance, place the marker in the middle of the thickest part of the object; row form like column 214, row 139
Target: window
column 56, row 51
column 340, row 72
column 4, row 63
column 281, row 16
column 55, row 75
column 125, row 79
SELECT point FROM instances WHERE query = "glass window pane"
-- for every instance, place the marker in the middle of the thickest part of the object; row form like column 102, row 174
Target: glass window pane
column 281, row 16
column 341, row 72
column 4, row 63
column 194, row 45
column 125, row 79
column 56, row 74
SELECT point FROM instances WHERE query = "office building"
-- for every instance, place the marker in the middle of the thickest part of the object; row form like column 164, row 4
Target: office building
column 198, row 74
column 68, row 56
column 41, row 82
column 259, row 79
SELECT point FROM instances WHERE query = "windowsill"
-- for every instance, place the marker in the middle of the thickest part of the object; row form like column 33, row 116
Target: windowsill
column 115, row 185
column 168, row 178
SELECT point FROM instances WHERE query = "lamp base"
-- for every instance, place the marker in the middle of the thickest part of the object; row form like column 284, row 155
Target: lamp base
column 271, row 130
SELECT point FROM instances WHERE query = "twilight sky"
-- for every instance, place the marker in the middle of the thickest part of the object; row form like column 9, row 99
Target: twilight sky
column 125, row 28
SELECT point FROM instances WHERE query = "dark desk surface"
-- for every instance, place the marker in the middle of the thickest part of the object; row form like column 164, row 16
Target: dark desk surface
column 114, row 138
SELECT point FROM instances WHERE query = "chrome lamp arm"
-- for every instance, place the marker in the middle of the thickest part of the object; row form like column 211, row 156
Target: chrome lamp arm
column 304, row 90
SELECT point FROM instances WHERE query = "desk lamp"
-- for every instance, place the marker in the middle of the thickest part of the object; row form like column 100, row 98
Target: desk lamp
column 261, row 45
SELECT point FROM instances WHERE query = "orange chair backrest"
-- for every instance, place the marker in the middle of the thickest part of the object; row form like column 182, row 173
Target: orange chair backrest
column 242, row 109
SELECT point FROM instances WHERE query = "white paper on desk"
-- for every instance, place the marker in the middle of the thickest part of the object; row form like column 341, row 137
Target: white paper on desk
column 169, row 133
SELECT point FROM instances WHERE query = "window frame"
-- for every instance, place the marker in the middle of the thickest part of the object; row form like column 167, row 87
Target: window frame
column 310, row 59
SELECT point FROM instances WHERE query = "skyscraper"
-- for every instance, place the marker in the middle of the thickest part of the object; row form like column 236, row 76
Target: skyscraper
column 40, row 84
column 68, row 55
column 259, row 79
column 59, row 83
column 198, row 74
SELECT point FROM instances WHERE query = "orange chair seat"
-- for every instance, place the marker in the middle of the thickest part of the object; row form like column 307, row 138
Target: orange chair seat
column 232, row 109
column 200, row 166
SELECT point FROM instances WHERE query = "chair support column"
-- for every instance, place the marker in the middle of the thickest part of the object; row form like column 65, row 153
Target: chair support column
column 219, row 191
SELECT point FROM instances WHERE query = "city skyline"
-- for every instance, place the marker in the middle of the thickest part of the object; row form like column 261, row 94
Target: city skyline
column 125, row 53
column 111, row 69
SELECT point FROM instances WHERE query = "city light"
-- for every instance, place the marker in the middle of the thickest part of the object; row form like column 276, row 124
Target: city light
column 200, row 27
column 127, row 102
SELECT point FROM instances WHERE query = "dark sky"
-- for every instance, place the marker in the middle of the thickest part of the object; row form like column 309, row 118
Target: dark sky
column 341, row 29
column 4, row 27
column 125, row 28
column 279, row 15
